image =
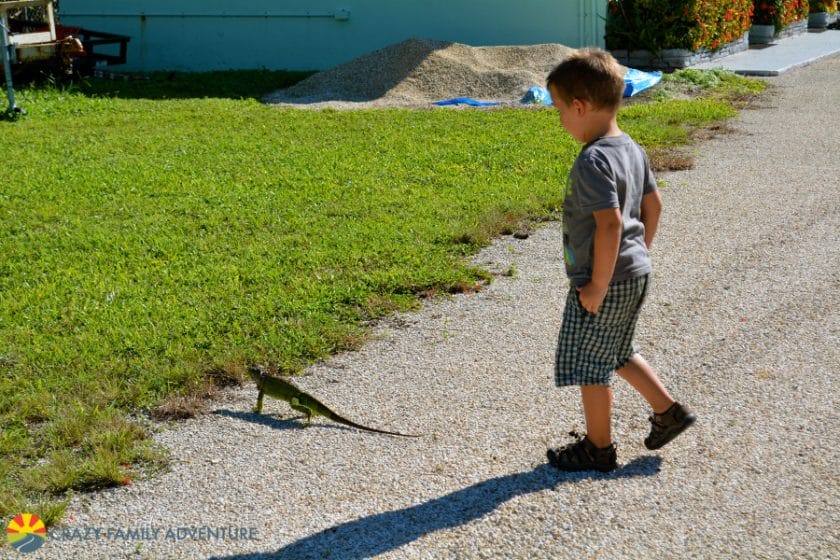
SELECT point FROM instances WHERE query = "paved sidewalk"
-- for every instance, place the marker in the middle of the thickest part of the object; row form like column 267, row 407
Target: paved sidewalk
column 781, row 56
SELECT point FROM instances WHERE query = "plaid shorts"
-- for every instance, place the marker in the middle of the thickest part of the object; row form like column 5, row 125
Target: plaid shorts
column 591, row 347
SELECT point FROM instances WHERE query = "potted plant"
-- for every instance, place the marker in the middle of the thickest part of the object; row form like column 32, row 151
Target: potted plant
column 763, row 23
column 823, row 13
column 778, row 18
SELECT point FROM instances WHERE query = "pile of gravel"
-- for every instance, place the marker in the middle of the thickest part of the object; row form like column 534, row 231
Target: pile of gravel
column 418, row 72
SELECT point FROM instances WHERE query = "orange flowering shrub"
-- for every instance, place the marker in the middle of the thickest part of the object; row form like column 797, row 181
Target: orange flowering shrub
column 676, row 24
column 780, row 13
column 829, row 6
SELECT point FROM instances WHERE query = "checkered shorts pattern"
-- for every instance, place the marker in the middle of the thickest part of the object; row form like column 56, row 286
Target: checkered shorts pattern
column 591, row 347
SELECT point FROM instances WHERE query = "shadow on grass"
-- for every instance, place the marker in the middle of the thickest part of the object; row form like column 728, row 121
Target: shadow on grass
column 377, row 534
column 230, row 84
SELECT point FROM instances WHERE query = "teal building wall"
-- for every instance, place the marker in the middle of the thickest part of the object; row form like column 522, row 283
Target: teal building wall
column 201, row 35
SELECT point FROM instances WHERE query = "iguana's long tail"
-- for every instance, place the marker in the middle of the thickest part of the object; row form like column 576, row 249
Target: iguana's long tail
column 341, row 420
column 316, row 407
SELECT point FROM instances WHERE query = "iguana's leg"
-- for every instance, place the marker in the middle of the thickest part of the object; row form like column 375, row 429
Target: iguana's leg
column 296, row 405
column 258, row 407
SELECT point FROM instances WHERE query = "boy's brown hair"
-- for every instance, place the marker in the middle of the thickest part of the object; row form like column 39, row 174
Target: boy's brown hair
column 591, row 75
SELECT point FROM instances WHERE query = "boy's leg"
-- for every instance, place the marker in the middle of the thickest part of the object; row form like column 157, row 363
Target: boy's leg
column 641, row 376
column 597, row 408
column 595, row 451
column 583, row 454
column 670, row 418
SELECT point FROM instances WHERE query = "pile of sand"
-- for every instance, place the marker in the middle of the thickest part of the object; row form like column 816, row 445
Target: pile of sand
column 418, row 72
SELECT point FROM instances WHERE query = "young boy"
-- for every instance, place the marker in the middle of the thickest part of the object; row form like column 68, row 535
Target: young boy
column 611, row 214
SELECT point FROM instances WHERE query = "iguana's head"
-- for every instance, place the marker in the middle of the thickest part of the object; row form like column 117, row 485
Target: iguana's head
column 256, row 372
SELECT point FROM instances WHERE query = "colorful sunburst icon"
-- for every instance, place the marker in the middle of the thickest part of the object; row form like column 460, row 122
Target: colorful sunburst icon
column 26, row 532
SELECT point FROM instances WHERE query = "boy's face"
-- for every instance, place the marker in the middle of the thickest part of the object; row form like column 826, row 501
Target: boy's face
column 571, row 115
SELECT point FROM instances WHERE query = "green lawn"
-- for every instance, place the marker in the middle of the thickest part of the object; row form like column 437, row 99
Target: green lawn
column 157, row 236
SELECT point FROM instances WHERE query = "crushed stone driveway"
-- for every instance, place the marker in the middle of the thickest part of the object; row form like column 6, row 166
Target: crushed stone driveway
column 741, row 323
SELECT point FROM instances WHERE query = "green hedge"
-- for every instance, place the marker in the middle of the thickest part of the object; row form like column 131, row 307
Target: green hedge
column 676, row 24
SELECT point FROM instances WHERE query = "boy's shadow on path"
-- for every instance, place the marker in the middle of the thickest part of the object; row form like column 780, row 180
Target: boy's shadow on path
column 376, row 534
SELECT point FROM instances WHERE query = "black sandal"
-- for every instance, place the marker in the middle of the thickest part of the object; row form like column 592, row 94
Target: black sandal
column 668, row 425
column 582, row 455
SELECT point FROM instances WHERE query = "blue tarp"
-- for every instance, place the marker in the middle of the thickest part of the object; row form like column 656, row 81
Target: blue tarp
column 467, row 101
column 537, row 95
column 634, row 82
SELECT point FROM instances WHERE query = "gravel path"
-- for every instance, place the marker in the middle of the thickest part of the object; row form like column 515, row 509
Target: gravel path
column 742, row 324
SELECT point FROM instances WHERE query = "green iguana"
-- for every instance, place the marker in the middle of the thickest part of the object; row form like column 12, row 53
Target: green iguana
column 301, row 401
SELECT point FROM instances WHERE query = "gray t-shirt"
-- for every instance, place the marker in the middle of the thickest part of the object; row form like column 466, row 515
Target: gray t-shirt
column 610, row 172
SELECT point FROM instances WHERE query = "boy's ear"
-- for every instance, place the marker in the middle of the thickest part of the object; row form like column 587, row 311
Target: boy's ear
column 580, row 106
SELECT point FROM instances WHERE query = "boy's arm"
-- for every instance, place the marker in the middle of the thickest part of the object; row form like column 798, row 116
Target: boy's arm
column 608, row 225
column 651, row 210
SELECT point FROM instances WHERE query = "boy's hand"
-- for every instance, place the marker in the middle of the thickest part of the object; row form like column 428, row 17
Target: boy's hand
column 608, row 227
column 591, row 297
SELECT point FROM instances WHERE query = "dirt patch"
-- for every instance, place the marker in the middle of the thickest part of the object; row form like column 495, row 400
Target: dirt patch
column 670, row 159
